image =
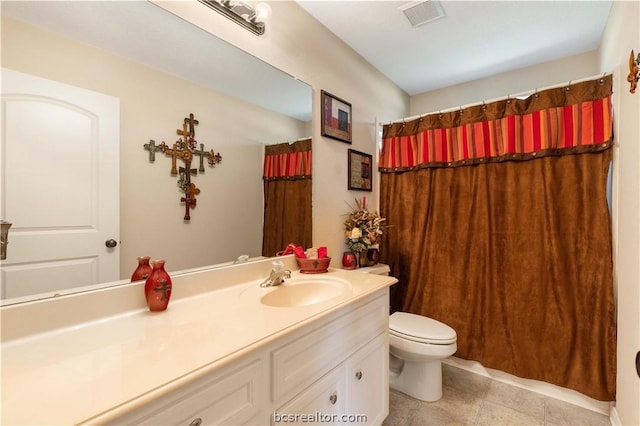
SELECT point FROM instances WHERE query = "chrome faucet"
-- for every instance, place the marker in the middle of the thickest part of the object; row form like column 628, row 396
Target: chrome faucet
column 277, row 275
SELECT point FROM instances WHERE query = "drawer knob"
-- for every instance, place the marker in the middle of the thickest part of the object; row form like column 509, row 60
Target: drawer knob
column 196, row 422
column 359, row 375
column 333, row 398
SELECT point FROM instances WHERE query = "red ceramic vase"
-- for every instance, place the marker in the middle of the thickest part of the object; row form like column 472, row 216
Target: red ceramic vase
column 157, row 288
column 349, row 260
column 143, row 270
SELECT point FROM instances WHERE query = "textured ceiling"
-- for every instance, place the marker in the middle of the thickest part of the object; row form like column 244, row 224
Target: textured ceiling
column 475, row 39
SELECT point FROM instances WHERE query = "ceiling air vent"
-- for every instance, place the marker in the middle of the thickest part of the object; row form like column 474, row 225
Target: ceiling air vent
column 421, row 12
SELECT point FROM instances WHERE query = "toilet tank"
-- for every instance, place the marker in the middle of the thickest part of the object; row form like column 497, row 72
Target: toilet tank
column 377, row 269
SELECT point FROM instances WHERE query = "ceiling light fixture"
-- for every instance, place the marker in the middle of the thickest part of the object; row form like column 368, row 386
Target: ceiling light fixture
column 242, row 13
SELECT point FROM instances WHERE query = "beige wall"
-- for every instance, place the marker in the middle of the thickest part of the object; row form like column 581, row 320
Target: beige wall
column 227, row 221
column 621, row 35
column 506, row 84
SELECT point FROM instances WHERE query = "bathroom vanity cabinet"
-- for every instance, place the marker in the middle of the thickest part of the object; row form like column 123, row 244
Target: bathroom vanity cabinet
column 340, row 368
column 222, row 353
column 336, row 368
column 354, row 392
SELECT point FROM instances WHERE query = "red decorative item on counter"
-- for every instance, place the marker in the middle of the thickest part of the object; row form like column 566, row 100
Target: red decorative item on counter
column 289, row 249
column 143, row 270
column 157, row 288
column 322, row 252
column 299, row 252
column 313, row 266
column 349, row 260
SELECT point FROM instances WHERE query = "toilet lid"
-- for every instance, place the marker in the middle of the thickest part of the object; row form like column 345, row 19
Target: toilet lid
column 420, row 328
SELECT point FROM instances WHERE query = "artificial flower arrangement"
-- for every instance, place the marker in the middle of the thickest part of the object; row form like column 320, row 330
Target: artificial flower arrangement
column 362, row 228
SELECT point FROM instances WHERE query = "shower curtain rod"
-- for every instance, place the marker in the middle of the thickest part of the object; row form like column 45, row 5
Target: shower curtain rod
column 512, row 96
column 290, row 142
column 299, row 139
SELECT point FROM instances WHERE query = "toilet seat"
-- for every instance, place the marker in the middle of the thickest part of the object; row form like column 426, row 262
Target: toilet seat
column 420, row 329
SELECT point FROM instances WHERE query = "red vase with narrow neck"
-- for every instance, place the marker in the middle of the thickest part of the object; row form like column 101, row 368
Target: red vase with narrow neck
column 157, row 288
column 143, row 270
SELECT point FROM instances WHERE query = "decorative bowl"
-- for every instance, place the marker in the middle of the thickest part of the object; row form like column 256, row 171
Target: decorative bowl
column 313, row 266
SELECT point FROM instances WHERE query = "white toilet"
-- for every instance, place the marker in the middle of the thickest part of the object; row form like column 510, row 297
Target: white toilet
column 417, row 345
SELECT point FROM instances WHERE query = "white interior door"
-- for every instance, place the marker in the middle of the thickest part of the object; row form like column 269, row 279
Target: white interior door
column 60, row 185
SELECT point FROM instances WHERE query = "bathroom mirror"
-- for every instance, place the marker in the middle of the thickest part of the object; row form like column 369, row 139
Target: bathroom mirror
column 156, row 64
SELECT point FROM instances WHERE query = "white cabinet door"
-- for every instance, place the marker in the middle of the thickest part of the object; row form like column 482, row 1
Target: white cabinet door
column 368, row 383
column 60, row 185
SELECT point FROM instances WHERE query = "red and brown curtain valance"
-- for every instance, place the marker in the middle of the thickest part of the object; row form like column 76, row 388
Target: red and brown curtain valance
column 565, row 120
column 287, row 161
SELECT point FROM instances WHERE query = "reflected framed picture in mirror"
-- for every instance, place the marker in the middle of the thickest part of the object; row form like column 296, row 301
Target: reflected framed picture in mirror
column 336, row 117
column 360, row 165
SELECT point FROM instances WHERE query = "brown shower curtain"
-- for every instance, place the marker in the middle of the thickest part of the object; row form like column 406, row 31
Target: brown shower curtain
column 501, row 229
column 287, row 196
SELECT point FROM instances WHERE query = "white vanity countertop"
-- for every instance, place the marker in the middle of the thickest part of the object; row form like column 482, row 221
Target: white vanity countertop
column 98, row 370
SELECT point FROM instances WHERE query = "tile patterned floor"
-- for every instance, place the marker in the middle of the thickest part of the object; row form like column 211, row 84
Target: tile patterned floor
column 472, row 399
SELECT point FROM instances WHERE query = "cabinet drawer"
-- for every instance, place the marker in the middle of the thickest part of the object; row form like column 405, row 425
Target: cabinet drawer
column 309, row 356
column 321, row 403
column 232, row 397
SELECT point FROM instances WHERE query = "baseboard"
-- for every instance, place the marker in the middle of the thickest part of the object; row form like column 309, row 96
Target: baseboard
column 614, row 418
column 547, row 389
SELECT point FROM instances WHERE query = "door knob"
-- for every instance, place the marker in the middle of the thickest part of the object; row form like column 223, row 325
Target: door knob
column 111, row 243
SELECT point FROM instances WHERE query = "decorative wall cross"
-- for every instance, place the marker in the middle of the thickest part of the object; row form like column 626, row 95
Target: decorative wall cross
column 184, row 149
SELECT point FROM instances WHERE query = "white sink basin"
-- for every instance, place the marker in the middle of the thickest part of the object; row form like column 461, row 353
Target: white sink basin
column 305, row 291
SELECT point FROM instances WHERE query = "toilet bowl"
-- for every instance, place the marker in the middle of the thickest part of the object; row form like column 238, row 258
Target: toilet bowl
column 417, row 345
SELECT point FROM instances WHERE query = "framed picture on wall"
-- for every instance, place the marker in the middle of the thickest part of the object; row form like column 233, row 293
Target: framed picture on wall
column 336, row 117
column 360, row 170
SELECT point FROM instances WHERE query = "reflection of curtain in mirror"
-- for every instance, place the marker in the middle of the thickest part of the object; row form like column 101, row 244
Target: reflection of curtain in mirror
column 500, row 228
column 287, row 196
